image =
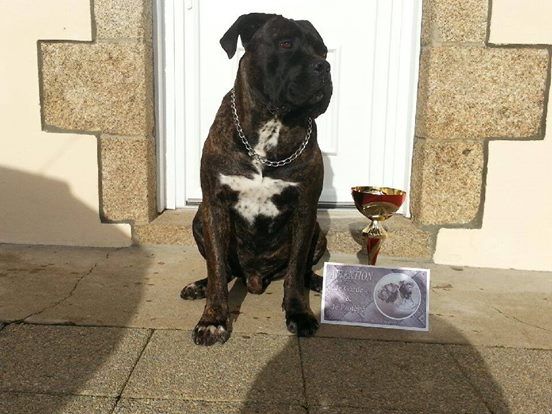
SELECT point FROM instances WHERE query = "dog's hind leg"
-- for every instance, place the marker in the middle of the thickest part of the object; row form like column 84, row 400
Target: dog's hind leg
column 312, row 280
column 194, row 290
column 197, row 289
column 197, row 230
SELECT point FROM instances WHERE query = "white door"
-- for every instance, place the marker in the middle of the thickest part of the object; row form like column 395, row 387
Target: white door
column 367, row 133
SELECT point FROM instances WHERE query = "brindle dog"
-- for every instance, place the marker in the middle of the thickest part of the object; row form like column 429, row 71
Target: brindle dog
column 258, row 222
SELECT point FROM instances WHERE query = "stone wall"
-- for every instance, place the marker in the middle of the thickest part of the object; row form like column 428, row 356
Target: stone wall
column 470, row 92
column 105, row 87
column 516, row 225
column 48, row 180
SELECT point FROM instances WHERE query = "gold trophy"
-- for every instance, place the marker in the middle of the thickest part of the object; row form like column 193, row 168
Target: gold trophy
column 378, row 204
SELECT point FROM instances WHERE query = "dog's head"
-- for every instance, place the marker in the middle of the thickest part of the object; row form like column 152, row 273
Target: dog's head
column 285, row 62
column 406, row 289
column 389, row 293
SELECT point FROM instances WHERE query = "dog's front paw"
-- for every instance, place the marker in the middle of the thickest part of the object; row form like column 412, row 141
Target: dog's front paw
column 302, row 323
column 207, row 333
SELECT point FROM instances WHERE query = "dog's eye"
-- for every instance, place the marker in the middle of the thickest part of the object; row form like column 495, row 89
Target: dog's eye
column 286, row 44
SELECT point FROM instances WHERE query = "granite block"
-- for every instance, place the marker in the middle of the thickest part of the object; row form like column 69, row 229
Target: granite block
column 342, row 227
column 171, row 227
column 104, row 87
column 447, row 179
column 123, row 19
column 404, row 237
column 474, row 93
column 128, row 176
column 454, row 21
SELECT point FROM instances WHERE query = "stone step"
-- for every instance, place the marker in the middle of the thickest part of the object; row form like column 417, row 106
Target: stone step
column 172, row 227
column 343, row 228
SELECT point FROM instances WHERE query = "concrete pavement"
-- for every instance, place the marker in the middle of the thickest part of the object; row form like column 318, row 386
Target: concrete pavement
column 86, row 330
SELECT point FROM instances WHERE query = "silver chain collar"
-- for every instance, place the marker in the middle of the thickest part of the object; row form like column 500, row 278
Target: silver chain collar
column 251, row 152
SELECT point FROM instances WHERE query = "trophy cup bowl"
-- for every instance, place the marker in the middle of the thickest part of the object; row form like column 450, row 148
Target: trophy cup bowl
column 377, row 204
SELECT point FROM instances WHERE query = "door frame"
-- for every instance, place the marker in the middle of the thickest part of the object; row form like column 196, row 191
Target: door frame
column 179, row 19
column 171, row 20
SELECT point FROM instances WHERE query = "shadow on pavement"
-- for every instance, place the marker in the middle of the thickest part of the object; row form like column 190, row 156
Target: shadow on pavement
column 40, row 365
column 350, row 375
column 365, row 370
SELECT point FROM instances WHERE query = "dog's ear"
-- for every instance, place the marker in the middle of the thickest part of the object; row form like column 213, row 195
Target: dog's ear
column 245, row 27
column 309, row 27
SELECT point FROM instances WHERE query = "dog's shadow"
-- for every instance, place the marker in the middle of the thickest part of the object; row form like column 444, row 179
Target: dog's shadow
column 236, row 296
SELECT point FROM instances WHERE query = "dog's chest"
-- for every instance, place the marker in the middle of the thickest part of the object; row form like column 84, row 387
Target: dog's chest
column 256, row 192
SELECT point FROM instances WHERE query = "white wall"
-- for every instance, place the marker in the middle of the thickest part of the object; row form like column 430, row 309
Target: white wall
column 517, row 219
column 48, row 181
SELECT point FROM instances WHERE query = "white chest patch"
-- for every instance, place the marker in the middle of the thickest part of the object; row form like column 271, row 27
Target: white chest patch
column 255, row 193
column 268, row 136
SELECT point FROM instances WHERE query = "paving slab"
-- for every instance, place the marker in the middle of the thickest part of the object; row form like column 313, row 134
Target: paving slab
column 509, row 380
column 145, row 406
column 33, row 278
column 18, row 403
column 68, row 360
column 356, row 410
column 140, row 287
column 135, row 287
column 385, row 376
column 488, row 307
column 254, row 368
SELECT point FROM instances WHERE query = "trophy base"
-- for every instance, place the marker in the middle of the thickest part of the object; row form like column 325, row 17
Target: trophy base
column 373, row 235
column 373, row 247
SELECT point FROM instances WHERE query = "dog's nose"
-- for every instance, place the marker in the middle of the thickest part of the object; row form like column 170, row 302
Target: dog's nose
column 321, row 66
